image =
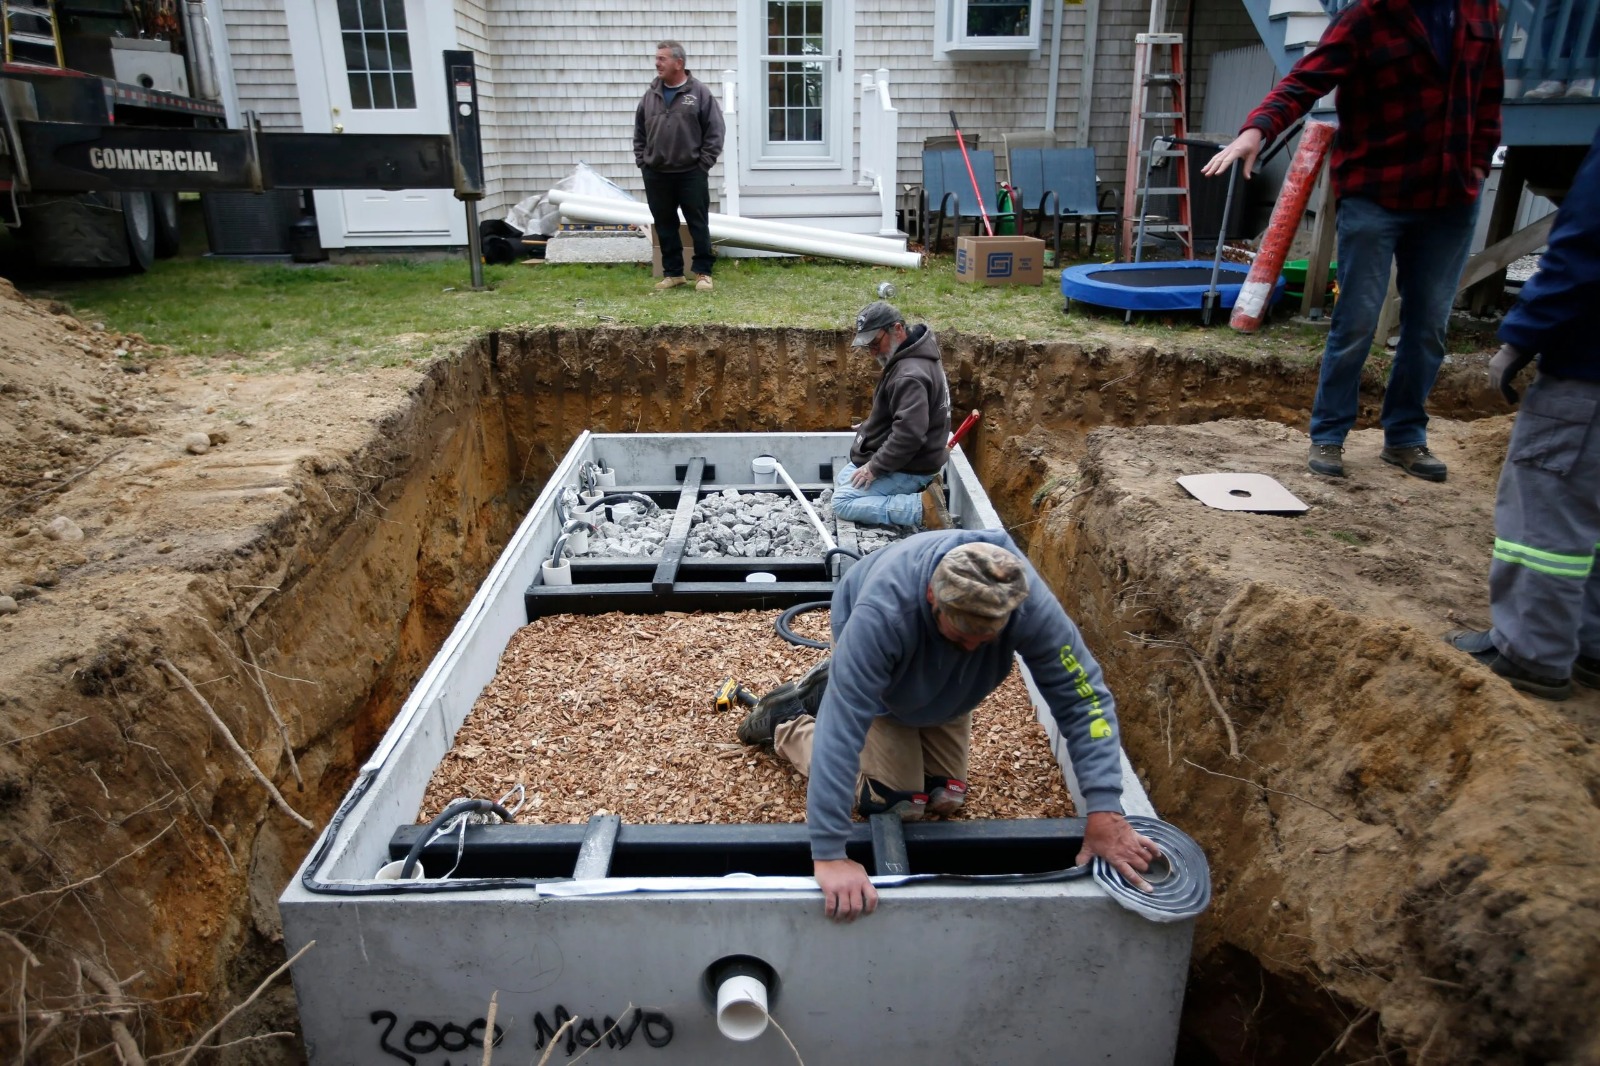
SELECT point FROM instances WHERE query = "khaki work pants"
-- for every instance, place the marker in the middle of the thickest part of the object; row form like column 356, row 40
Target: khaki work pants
column 895, row 755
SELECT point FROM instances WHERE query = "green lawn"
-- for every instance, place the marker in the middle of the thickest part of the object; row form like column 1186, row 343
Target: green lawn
column 250, row 315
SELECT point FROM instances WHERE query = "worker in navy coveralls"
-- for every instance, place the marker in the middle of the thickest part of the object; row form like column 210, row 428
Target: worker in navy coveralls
column 1544, row 582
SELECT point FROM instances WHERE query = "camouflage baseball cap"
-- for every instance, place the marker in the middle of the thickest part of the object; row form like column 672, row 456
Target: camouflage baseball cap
column 874, row 318
column 980, row 584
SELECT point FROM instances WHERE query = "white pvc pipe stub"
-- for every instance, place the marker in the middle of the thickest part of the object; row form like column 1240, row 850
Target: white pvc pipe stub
column 390, row 871
column 557, row 575
column 742, row 988
column 741, row 1007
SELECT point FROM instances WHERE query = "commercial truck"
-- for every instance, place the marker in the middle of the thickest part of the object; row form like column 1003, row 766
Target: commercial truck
column 108, row 110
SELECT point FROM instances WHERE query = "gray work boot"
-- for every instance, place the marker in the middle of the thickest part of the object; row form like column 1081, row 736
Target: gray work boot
column 786, row 702
column 1479, row 644
column 1327, row 460
column 1417, row 461
column 1586, row 671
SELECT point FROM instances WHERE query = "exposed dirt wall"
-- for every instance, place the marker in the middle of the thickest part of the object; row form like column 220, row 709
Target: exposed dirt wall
column 341, row 522
column 345, row 563
column 1403, row 844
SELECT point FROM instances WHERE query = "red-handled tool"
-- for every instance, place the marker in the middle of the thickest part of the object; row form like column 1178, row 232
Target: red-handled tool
column 962, row 143
column 966, row 424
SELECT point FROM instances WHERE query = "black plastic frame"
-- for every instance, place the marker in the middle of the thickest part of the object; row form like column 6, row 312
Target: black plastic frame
column 671, row 582
column 607, row 847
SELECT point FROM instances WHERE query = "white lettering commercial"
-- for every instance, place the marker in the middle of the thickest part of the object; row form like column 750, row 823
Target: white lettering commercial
column 151, row 159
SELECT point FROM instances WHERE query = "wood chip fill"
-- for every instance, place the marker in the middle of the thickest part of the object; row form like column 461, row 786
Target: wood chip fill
column 613, row 714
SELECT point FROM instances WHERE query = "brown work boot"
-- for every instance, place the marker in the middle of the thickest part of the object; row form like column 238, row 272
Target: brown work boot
column 934, row 513
column 703, row 284
column 672, row 281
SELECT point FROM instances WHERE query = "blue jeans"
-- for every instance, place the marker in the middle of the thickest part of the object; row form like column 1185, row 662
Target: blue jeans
column 891, row 499
column 1429, row 249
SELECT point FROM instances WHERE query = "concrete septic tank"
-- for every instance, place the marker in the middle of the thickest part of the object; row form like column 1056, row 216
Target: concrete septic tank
column 634, row 930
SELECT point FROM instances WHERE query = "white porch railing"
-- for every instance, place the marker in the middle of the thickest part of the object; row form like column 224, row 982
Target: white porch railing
column 880, row 138
column 730, row 142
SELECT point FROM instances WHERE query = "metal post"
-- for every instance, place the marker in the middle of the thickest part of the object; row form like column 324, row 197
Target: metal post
column 474, row 246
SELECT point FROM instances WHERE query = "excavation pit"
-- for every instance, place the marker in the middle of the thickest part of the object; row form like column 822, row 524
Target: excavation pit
column 1415, row 919
column 602, row 904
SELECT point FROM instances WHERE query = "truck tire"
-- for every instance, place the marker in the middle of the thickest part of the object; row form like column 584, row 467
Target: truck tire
column 139, row 220
column 168, row 233
column 76, row 232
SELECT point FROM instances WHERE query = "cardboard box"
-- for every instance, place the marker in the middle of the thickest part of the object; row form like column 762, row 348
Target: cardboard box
column 655, row 251
column 1000, row 260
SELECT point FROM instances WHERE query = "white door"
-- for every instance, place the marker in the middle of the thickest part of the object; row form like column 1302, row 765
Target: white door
column 797, row 56
column 385, row 76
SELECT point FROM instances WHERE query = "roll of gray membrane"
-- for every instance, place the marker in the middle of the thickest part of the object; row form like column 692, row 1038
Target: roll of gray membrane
column 1180, row 881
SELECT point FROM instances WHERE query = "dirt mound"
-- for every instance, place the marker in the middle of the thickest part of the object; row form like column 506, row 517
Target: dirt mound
column 1404, row 832
column 134, row 845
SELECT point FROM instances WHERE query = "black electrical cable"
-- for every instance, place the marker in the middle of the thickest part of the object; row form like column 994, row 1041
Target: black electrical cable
column 631, row 497
column 459, row 807
column 782, row 624
column 846, row 552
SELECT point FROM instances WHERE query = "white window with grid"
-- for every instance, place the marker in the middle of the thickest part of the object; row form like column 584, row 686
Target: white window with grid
column 377, row 55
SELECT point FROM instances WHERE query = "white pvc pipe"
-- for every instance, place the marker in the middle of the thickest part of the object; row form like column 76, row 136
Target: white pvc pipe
column 750, row 234
column 557, row 575
column 741, row 1007
column 1055, row 67
column 811, row 512
column 865, row 240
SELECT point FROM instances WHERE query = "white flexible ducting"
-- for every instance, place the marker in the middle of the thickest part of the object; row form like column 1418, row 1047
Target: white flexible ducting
column 811, row 512
column 749, row 233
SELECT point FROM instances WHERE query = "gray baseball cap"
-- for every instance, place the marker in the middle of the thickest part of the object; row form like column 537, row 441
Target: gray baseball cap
column 874, row 318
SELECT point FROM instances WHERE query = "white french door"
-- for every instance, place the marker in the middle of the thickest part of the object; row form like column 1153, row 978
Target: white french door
column 795, row 63
column 384, row 76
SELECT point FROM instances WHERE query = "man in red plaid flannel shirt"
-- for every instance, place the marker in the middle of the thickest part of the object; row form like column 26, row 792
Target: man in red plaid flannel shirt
column 1419, row 84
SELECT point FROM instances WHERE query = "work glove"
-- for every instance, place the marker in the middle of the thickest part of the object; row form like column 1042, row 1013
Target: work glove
column 1505, row 366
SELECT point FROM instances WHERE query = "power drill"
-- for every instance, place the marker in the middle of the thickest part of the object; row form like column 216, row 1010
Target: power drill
column 730, row 693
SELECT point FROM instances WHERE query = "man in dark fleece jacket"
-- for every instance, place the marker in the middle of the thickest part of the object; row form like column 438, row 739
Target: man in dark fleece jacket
column 902, row 445
column 923, row 630
column 1544, row 584
column 677, row 139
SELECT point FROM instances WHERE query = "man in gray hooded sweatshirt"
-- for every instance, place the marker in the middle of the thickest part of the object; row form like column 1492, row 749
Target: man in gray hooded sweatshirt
column 903, row 444
column 923, row 630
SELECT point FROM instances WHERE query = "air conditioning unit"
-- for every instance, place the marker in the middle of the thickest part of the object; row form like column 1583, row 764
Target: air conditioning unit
column 248, row 223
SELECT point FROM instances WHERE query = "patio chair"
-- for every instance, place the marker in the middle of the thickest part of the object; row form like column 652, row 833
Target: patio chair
column 1060, row 184
column 947, row 190
column 912, row 199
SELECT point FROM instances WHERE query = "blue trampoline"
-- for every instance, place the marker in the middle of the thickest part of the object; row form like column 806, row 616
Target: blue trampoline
column 1175, row 286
